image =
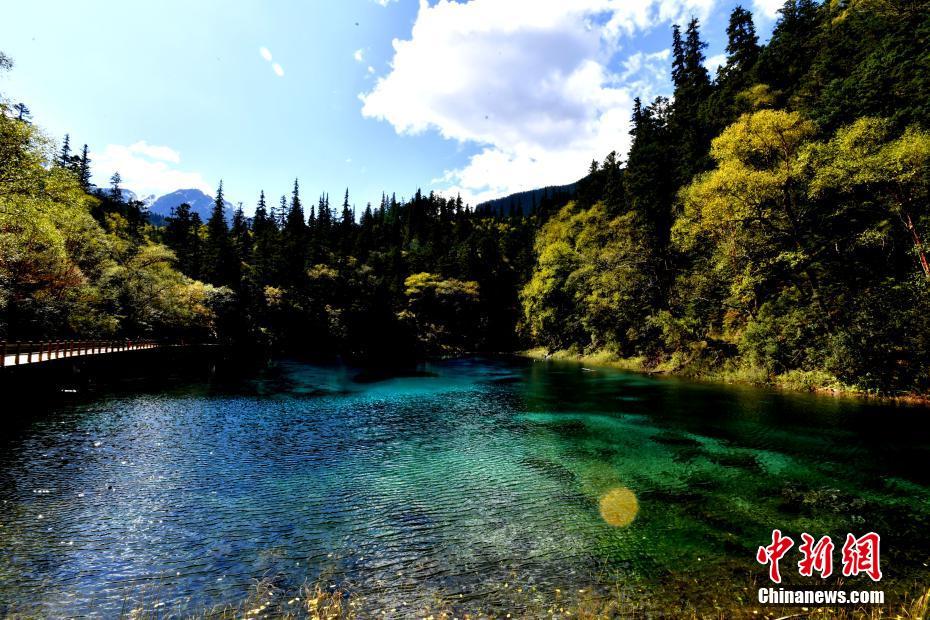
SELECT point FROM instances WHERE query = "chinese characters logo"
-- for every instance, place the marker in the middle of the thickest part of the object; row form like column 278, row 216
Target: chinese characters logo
column 859, row 555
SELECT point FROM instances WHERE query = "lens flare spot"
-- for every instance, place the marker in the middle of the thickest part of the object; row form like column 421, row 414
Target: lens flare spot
column 619, row 507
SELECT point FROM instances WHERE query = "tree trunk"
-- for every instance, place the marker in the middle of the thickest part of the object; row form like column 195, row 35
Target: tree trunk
column 918, row 244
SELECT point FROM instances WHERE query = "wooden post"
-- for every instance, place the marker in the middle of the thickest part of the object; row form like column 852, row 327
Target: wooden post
column 18, row 347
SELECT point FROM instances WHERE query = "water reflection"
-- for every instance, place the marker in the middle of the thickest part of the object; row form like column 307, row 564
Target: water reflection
column 449, row 481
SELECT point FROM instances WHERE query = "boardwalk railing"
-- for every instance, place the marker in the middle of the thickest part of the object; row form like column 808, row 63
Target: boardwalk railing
column 18, row 353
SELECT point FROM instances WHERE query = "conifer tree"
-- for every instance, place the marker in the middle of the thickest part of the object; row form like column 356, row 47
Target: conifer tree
column 240, row 235
column 265, row 243
column 84, row 169
column 294, row 240
column 220, row 264
column 692, row 89
column 678, row 57
column 116, row 192
column 613, row 184
column 742, row 46
column 182, row 234
column 22, row 112
column 64, row 157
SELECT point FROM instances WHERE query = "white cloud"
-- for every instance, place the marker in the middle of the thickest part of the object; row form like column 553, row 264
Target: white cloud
column 769, row 8
column 371, row 69
column 163, row 153
column 540, row 86
column 145, row 169
column 385, row 2
column 647, row 74
column 278, row 69
column 715, row 62
column 265, row 53
column 359, row 55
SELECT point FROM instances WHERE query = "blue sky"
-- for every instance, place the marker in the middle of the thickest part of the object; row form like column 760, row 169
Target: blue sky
column 483, row 97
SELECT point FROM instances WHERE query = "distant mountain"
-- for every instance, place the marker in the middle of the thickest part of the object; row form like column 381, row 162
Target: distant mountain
column 523, row 202
column 201, row 204
column 127, row 194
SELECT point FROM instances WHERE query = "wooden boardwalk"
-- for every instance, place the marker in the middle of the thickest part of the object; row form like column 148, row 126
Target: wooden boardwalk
column 21, row 353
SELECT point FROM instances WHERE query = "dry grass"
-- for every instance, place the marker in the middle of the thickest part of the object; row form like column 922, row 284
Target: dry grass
column 315, row 602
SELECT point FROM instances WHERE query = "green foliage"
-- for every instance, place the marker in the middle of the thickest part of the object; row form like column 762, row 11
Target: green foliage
column 787, row 333
column 443, row 312
column 591, row 284
column 64, row 273
column 768, row 225
column 793, row 251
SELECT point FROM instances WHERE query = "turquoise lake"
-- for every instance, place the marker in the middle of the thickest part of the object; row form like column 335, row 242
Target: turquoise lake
column 476, row 482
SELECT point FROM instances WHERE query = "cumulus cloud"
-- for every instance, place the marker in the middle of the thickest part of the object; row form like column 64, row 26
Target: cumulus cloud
column 359, row 55
column 715, row 62
column 163, row 153
column 646, row 74
column 541, row 87
column 145, row 169
column 769, row 8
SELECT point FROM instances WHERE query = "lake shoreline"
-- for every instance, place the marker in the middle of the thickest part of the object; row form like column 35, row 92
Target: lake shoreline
column 637, row 365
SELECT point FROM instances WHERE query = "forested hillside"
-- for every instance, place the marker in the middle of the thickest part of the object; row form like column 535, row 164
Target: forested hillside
column 768, row 223
column 73, row 264
column 402, row 279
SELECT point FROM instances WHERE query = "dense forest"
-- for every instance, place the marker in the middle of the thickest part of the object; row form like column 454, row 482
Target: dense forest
column 767, row 225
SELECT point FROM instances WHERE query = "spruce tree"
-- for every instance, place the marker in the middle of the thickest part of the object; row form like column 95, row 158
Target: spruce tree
column 84, row 169
column 294, row 240
column 240, row 235
column 221, row 266
column 678, row 57
column 116, row 192
column 265, row 243
column 692, row 90
column 64, row 157
column 742, row 45
column 613, row 184
column 182, row 234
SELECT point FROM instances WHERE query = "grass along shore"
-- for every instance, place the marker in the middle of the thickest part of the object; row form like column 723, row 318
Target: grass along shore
column 811, row 381
column 322, row 602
